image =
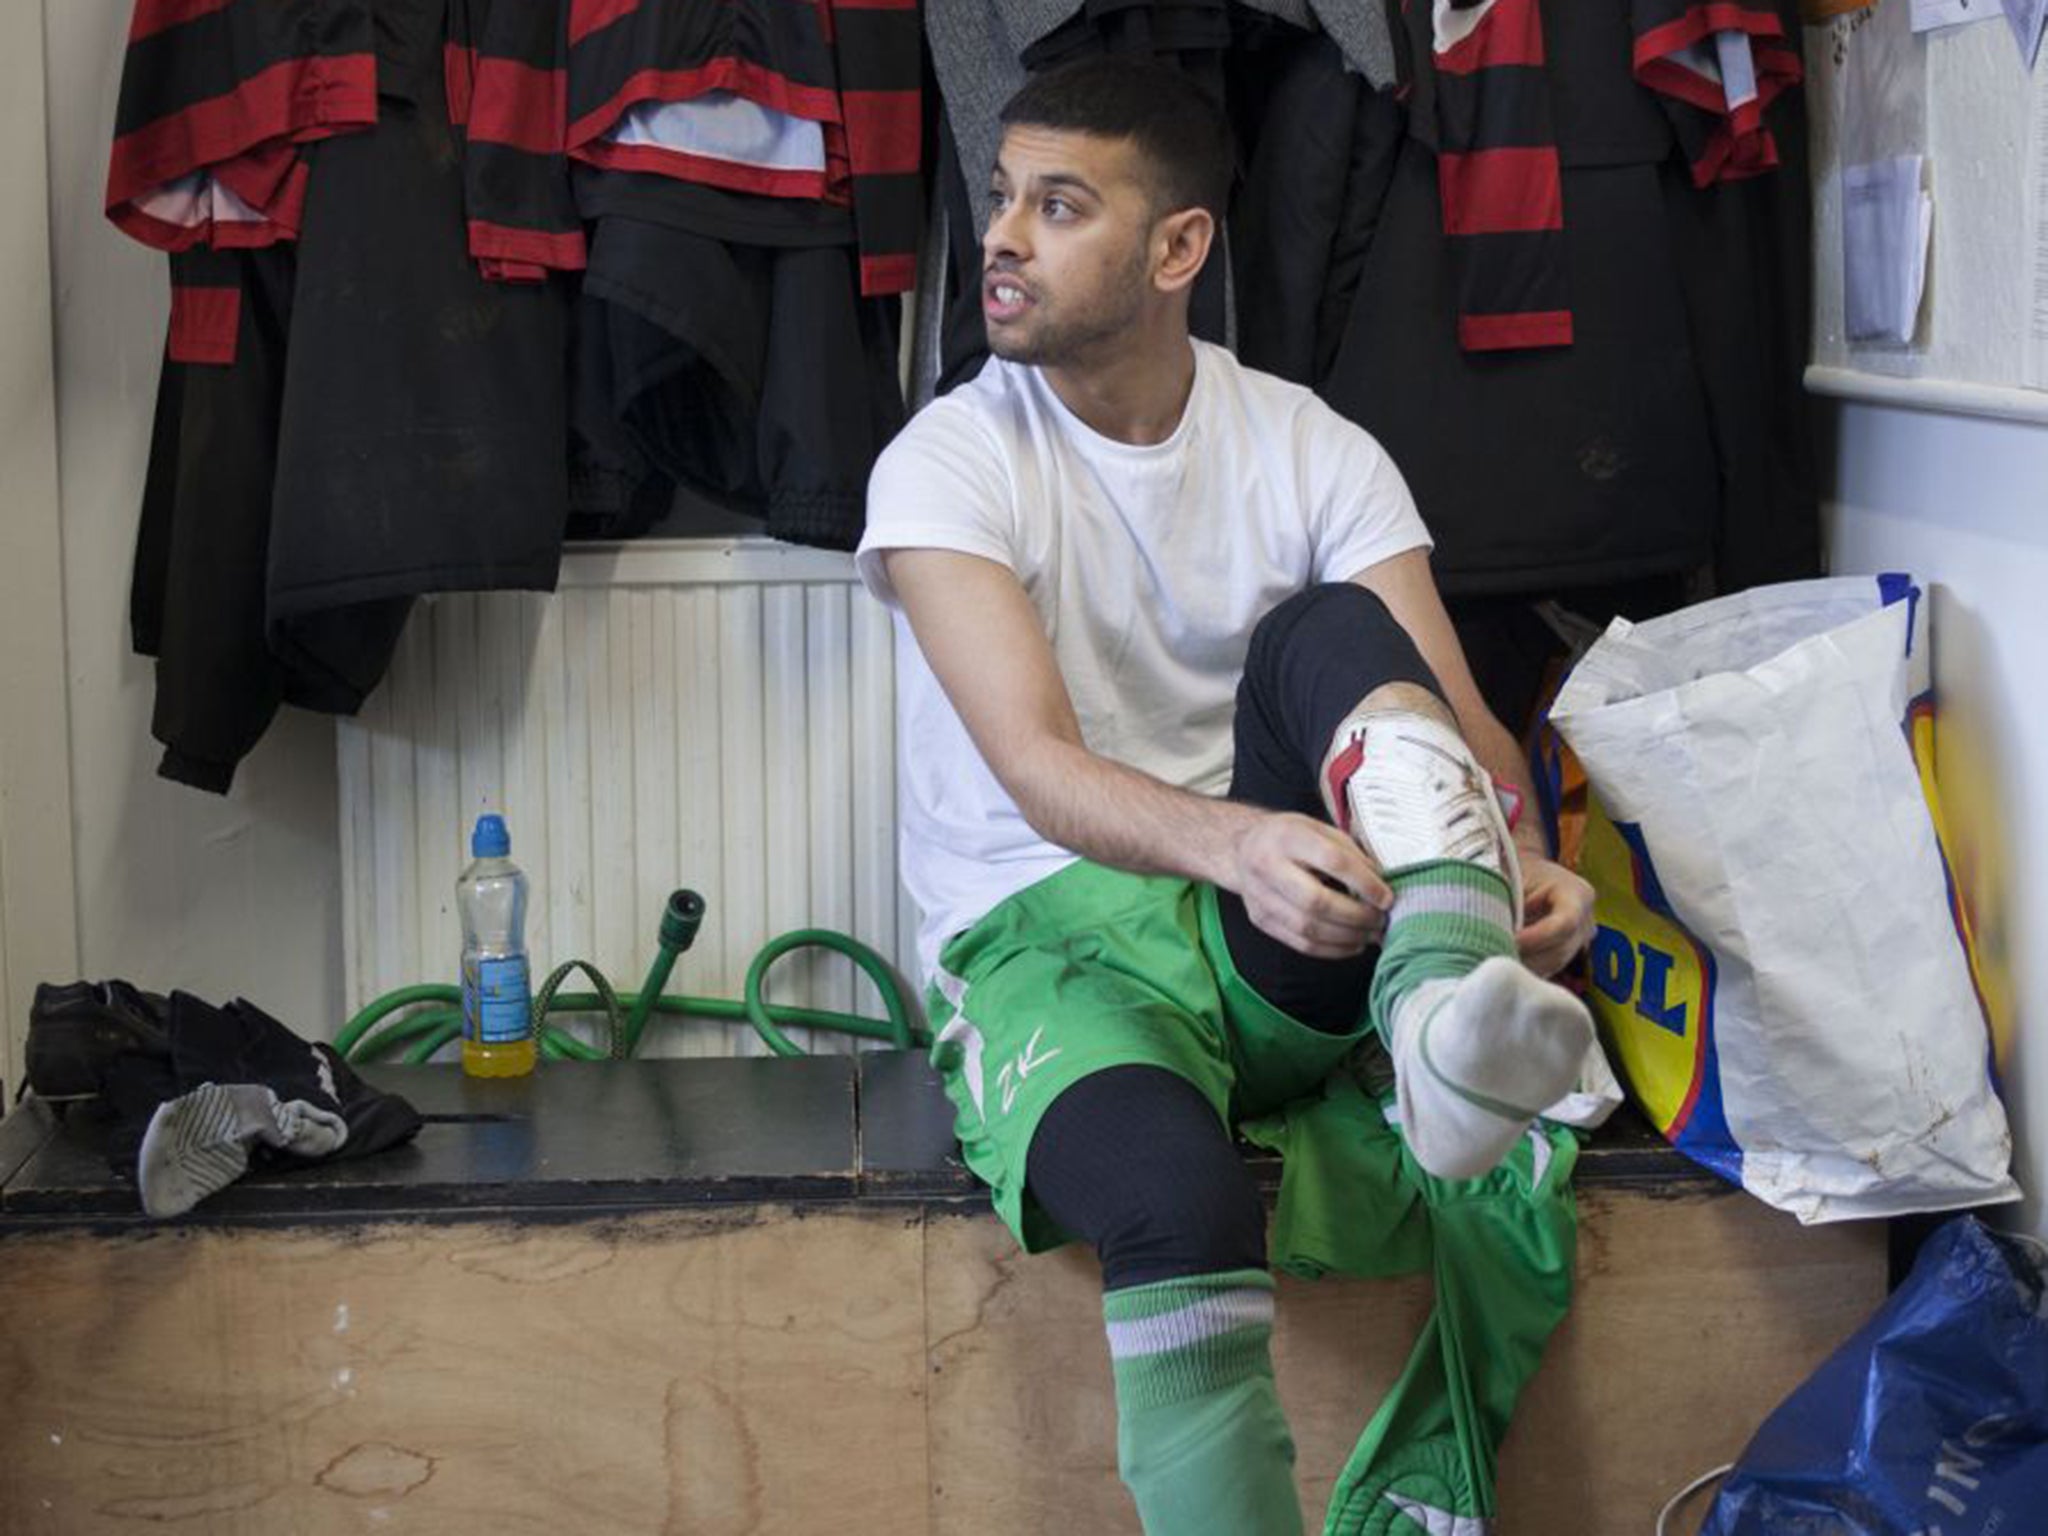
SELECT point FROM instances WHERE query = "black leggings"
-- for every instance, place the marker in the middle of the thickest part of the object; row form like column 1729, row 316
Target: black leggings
column 1133, row 1159
column 1312, row 660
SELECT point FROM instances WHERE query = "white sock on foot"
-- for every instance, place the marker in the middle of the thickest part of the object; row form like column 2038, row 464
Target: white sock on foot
column 1478, row 1057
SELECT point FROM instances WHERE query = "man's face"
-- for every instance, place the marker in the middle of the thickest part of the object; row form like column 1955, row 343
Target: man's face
column 1065, row 258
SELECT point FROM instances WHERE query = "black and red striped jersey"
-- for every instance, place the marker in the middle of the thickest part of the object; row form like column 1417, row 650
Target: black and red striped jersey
column 507, row 73
column 1716, row 65
column 803, row 99
column 218, row 98
column 1498, row 174
column 1481, row 87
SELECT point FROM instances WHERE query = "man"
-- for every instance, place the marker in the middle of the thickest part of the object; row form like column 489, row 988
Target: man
column 1138, row 575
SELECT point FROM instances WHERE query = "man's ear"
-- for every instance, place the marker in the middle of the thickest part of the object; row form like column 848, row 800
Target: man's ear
column 1180, row 244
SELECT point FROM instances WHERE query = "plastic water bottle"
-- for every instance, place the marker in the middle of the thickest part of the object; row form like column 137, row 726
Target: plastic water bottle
column 497, row 986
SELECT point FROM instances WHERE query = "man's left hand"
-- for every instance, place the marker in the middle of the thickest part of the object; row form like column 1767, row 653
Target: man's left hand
column 1557, row 915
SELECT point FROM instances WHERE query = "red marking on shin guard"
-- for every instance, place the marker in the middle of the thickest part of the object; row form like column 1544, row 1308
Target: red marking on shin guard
column 1342, row 766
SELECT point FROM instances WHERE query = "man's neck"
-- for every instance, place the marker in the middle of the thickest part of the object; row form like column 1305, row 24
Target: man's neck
column 1137, row 397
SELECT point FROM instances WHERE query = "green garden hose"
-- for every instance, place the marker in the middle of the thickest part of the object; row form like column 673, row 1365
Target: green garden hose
column 436, row 1016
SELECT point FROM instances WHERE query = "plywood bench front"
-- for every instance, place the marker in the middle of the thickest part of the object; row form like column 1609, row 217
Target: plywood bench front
column 874, row 1361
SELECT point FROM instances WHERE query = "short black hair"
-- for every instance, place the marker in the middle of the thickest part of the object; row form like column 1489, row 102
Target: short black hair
column 1179, row 128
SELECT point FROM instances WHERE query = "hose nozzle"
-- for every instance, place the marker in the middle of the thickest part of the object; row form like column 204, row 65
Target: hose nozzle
column 680, row 920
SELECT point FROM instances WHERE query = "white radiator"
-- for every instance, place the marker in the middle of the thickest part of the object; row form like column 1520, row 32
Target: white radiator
column 715, row 714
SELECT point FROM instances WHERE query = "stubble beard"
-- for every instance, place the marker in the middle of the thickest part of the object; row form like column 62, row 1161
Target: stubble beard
column 1089, row 334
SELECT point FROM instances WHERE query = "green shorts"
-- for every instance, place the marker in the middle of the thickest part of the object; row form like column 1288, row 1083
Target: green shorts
column 1093, row 968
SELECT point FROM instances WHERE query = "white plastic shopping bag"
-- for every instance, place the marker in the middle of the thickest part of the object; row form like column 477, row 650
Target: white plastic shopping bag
column 1778, row 968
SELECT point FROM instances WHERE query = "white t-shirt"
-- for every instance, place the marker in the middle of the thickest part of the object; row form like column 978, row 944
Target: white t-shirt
column 1148, row 566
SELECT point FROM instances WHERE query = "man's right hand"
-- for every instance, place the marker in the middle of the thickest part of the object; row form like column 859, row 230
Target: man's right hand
column 1310, row 886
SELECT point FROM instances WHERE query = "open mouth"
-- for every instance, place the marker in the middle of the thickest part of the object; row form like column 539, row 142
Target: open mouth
column 1003, row 298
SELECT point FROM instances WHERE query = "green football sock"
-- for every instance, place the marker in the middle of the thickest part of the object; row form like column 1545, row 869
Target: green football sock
column 1481, row 1045
column 1201, row 1441
column 1447, row 916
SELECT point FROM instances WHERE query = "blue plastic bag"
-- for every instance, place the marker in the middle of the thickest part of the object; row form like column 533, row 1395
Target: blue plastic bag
column 1931, row 1421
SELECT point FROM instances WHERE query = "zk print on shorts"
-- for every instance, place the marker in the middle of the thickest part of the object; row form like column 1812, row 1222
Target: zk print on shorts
column 1021, row 1066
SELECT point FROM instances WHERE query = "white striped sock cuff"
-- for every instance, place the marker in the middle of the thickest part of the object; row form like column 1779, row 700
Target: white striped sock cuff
column 1192, row 1324
column 1180, row 1339
column 1449, row 900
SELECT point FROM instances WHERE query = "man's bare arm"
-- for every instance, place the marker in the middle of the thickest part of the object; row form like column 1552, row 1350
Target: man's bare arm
column 984, row 643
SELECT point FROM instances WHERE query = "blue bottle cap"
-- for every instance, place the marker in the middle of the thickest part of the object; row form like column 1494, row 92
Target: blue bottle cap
column 490, row 840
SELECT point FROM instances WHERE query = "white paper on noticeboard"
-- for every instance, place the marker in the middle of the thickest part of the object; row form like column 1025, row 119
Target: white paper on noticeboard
column 1930, row 14
column 1886, row 219
column 1886, row 216
column 2025, row 17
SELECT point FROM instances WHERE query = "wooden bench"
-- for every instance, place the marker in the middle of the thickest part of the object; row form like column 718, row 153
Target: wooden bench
column 714, row 1297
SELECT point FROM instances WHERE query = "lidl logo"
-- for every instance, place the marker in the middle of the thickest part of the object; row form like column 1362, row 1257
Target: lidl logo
column 1636, row 974
column 1653, row 992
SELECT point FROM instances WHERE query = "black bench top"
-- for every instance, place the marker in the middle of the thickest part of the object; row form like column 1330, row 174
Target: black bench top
column 586, row 1138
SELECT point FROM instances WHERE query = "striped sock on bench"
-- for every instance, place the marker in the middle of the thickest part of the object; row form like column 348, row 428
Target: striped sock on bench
column 1201, row 1441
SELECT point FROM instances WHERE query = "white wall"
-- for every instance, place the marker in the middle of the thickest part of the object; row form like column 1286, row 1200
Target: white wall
column 1963, row 503
column 38, row 926
column 174, row 887
column 1961, row 500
